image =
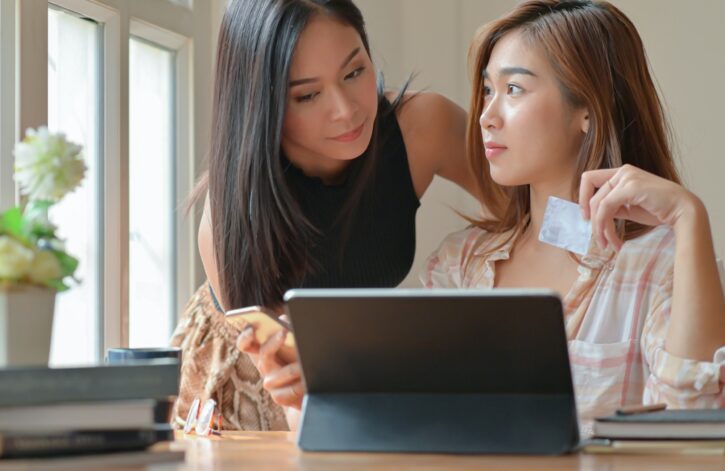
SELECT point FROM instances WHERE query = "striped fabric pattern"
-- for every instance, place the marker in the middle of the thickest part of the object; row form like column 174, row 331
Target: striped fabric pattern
column 616, row 317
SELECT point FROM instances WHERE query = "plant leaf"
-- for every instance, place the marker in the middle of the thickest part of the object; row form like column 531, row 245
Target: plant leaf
column 57, row 285
column 13, row 221
column 68, row 264
column 35, row 216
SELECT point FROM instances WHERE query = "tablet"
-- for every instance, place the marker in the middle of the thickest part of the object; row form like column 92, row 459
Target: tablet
column 438, row 370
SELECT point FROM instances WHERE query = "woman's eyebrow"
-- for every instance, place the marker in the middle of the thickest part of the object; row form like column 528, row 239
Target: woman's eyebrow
column 507, row 71
column 347, row 60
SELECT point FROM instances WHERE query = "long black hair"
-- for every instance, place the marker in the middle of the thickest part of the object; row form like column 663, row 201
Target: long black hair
column 260, row 235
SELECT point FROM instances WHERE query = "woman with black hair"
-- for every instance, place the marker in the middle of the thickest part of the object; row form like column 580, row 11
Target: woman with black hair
column 315, row 176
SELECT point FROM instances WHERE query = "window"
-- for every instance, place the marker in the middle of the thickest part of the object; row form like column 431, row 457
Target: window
column 152, row 207
column 74, row 108
column 120, row 79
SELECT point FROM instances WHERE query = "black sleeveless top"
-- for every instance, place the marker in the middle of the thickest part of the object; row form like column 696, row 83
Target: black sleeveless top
column 374, row 245
column 377, row 247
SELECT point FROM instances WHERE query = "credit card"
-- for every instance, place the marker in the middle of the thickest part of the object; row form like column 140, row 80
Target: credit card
column 564, row 226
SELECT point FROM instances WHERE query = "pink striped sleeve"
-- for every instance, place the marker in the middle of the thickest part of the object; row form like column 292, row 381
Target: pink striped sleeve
column 679, row 382
column 443, row 269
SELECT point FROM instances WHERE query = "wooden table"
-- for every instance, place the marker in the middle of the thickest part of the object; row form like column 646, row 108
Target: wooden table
column 276, row 451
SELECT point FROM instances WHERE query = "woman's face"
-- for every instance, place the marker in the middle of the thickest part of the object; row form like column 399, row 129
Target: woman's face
column 332, row 98
column 530, row 132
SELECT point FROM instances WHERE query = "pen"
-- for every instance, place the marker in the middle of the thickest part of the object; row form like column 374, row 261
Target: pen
column 640, row 409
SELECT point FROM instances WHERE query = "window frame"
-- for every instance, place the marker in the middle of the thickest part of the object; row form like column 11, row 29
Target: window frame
column 8, row 193
column 170, row 25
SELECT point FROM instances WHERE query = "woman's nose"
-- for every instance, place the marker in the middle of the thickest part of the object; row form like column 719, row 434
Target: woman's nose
column 343, row 108
column 490, row 117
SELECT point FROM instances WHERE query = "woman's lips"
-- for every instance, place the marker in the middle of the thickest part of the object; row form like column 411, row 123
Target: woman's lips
column 494, row 150
column 350, row 136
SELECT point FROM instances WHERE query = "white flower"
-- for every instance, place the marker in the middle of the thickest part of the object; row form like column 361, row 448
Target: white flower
column 45, row 267
column 15, row 258
column 47, row 166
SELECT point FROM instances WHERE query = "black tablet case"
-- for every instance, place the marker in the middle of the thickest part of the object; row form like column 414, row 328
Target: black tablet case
column 434, row 371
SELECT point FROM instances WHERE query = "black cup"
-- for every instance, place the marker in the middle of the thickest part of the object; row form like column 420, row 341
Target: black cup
column 124, row 355
column 116, row 356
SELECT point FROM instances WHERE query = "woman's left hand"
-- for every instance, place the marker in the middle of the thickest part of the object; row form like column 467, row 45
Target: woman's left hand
column 283, row 380
column 631, row 193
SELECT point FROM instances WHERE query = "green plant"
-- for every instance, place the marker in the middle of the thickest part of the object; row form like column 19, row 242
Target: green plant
column 47, row 167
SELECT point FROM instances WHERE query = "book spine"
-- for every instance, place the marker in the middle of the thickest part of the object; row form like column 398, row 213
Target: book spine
column 46, row 385
column 163, row 410
column 76, row 443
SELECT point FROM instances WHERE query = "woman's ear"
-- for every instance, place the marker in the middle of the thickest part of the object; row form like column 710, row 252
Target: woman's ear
column 584, row 121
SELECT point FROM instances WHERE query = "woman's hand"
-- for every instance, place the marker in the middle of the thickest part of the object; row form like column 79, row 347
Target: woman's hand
column 697, row 310
column 282, row 380
column 633, row 194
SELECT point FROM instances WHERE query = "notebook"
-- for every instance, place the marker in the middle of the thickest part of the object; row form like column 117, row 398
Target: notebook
column 108, row 415
column 666, row 424
column 660, row 447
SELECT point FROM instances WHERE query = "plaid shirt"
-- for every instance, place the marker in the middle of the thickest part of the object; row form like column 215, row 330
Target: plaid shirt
column 616, row 316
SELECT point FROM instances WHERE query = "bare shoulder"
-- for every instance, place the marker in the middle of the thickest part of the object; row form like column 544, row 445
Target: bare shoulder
column 205, row 240
column 428, row 111
column 434, row 132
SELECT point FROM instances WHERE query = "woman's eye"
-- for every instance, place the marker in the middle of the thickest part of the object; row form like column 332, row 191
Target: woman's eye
column 355, row 73
column 306, row 98
column 487, row 91
column 514, row 89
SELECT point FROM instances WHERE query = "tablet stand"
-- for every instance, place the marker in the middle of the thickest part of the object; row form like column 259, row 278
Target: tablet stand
column 439, row 423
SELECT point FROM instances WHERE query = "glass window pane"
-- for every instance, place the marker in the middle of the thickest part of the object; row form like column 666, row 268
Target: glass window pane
column 151, row 195
column 74, row 109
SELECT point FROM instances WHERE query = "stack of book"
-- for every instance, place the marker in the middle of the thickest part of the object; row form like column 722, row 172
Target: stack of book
column 96, row 410
column 697, row 432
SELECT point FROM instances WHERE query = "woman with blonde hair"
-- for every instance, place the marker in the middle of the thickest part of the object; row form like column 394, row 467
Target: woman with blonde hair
column 564, row 105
